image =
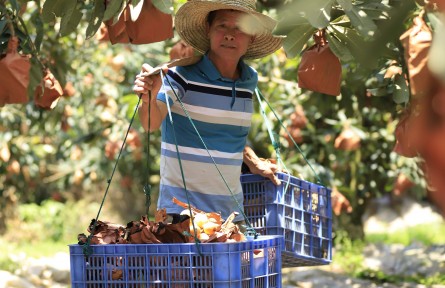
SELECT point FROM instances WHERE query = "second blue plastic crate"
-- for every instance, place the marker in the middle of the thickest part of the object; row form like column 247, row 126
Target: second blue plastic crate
column 298, row 210
column 251, row 264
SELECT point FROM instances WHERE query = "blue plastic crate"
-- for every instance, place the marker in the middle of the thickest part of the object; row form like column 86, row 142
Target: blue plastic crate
column 251, row 264
column 302, row 213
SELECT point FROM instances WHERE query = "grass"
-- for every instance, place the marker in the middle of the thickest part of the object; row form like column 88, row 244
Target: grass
column 420, row 233
column 348, row 253
column 12, row 251
column 44, row 230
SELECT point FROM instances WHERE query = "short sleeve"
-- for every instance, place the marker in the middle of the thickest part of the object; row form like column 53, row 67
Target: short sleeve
column 169, row 89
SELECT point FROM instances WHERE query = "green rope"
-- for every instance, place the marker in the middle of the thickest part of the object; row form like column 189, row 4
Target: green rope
column 86, row 247
column 208, row 152
column 147, row 186
column 275, row 144
column 180, row 166
column 290, row 137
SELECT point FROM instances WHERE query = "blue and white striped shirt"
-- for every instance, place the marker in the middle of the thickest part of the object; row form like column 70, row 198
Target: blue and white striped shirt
column 221, row 110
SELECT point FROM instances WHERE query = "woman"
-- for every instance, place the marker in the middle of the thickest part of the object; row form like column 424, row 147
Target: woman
column 216, row 92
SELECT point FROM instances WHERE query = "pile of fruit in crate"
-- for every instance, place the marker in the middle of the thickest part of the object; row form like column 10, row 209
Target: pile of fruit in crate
column 193, row 224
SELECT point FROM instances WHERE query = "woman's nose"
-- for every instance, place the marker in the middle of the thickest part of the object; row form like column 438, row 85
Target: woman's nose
column 229, row 37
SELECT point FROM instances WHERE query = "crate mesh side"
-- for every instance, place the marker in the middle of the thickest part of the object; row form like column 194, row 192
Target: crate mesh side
column 180, row 265
column 298, row 210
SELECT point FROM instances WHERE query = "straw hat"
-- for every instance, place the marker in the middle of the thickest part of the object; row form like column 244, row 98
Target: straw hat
column 191, row 21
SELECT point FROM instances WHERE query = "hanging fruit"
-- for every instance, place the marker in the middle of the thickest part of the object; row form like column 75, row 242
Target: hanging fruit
column 48, row 92
column 403, row 145
column 417, row 42
column 13, row 168
column 411, row 131
column 401, row 184
column 5, row 153
column 112, row 148
column 339, row 202
column 295, row 133
column 69, row 89
column 14, row 75
column 102, row 34
column 433, row 150
column 298, row 118
column 348, row 140
column 131, row 26
column 320, row 69
column 438, row 102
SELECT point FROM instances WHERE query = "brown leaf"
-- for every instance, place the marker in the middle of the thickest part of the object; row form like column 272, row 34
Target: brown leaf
column 147, row 235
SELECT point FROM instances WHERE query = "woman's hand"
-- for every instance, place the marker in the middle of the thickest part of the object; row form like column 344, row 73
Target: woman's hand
column 263, row 167
column 148, row 80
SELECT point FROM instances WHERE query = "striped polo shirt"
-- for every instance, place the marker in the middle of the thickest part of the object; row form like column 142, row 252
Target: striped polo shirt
column 221, row 111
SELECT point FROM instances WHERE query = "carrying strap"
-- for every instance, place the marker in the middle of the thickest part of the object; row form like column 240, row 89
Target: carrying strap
column 187, row 195
column 147, row 186
column 87, row 250
column 261, row 98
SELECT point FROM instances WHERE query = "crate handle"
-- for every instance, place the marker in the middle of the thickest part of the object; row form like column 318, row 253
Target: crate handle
column 261, row 97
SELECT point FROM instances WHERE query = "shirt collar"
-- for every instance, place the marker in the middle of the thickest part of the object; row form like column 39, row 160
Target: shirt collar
column 207, row 67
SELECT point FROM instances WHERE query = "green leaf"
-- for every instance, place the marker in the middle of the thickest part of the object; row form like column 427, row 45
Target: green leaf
column 362, row 22
column 69, row 26
column 52, row 8
column 15, row 5
column 353, row 42
column 70, row 19
column 318, row 13
column 38, row 24
column 3, row 25
column 47, row 10
column 378, row 92
column 96, row 18
column 165, row 6
column 297, row 38
column 112, row 9
column 401, row 91
column 345, row 4
column 339, row 48
column 117, row 16
column 375, row 10
column 35, row 76
column 286, row 25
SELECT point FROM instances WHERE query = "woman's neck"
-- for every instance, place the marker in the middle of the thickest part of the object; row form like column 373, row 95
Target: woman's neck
column 228, row 68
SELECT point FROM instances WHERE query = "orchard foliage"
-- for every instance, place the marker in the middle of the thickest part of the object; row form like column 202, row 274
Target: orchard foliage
column 70, row 151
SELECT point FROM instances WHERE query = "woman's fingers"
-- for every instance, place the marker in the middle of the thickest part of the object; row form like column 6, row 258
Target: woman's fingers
column 146, row 68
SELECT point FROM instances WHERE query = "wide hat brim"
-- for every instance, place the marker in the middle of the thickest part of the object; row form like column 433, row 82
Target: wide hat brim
column 191, row 19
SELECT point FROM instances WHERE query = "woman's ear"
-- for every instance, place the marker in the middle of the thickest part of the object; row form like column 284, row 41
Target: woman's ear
column 207, row 30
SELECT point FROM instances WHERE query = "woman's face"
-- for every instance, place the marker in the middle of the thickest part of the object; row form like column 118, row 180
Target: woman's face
column 226, row 39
